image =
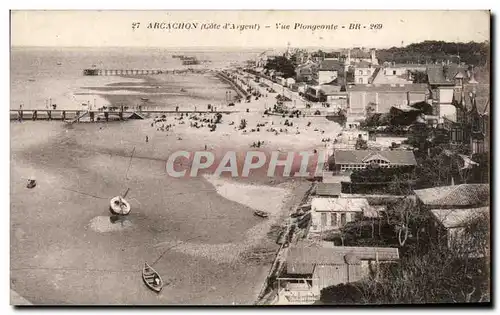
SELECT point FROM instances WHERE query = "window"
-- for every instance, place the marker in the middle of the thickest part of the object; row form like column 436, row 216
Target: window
column 343, row 219
column 360, row 80
column 333, row 218
column 360, row 72
column 457, row 135
column 476, row 124
column 477, row 146
column 323, row 219
column 394, row 72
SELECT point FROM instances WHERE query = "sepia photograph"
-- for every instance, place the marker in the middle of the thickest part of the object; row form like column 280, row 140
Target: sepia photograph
column 257, row 158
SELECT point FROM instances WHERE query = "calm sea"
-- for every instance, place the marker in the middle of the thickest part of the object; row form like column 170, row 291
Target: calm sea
column 42, row 76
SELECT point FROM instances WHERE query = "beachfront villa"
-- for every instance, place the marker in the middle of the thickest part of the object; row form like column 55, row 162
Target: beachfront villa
column 349, row 160
column 308, row 270
column 329, row 214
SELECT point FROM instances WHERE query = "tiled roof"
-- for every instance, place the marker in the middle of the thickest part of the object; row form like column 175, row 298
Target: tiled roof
column 328, row 189
column 401, row 157
column 302, row 260
column 451, row 218
column 445, row 75
column 339, row 204
column 363, row 253
column 458, row 195
column 411, row 87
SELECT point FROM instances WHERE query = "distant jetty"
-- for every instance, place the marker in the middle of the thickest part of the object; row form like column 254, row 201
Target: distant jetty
column 109, row 72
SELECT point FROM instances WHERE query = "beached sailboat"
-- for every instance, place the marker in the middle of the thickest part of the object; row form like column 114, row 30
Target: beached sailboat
column 118, row 205
column 261, row 214
column 151, row 278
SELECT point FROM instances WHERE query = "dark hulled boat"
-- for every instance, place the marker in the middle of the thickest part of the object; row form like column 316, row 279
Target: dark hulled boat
column 151, row 278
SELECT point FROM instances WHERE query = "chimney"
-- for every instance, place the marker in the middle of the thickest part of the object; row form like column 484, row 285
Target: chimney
column 373, row 56
column 472, row 80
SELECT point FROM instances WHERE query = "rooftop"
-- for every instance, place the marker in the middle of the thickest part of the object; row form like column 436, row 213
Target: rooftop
column 400, row 157
column 451, row 218
column 301, row 260
column 482, row 92
column 331, row 65
column 445, row 75
column 339, row 204
column 328, row 189
column 457, row 195
column 362, row 64
column 410, row 87
column 330, row 89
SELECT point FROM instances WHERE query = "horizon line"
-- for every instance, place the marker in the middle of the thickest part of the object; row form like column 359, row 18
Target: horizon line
column 251, row 47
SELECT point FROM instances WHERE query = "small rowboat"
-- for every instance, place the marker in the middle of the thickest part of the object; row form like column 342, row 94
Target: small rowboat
column 118, row 205
column 31, row 183
column 151, row 278
column 262, row 214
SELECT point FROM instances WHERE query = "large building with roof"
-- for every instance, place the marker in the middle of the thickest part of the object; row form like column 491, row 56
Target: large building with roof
column 349, row 160
column 329, row 70
column 333, row 213
column 384, row 96
column 308, row 270
column 451, row 208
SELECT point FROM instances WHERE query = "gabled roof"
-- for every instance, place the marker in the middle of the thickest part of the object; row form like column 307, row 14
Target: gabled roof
column 401, row 157
column 482, row 97
column 135, row 115
column 452, row 218
column 455, row 196
column 445, row 75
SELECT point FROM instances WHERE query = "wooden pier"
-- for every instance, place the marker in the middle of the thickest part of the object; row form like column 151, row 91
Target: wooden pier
column 97, row 115
column 120, row 72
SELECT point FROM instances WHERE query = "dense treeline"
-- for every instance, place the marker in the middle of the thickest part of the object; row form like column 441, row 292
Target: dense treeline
column 471, row 53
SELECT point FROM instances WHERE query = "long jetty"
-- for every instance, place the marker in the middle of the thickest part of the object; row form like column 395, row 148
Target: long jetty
column 109, row 72
column 98, row 115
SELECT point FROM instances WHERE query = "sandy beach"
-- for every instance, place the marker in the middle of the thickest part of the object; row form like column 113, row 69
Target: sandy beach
column 199, row 232
column 60, row 231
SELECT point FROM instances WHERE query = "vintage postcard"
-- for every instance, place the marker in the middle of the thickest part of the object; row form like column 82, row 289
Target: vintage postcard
column 249, row 157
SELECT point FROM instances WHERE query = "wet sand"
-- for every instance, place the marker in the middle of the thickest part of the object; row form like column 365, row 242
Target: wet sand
column 55, row 243
column 61, row 238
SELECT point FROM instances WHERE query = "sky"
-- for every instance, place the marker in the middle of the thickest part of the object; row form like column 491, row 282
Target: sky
column 114, row 28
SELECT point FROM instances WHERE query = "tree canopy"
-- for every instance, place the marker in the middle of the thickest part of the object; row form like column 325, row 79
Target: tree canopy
column 471, row 53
